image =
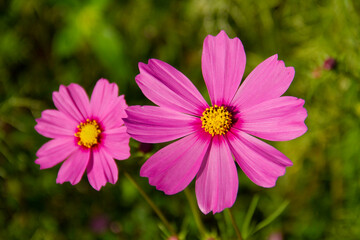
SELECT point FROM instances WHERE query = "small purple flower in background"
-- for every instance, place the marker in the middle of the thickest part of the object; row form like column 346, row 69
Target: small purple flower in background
column 86, row 134
column 145, row 147
column 276, row 236
column 329, row 63
column 212, row 135
column 99, row 223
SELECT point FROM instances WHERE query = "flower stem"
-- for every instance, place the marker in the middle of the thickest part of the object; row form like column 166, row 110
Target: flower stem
column 195, row 212
column 152, row 205
column 237, row 231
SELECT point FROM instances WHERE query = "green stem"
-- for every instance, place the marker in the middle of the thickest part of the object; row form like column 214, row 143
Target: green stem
column 195, row 212
column 237, row 231
column 152, row 205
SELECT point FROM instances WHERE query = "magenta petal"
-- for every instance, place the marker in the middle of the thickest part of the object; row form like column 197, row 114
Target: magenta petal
column 74, row 167
column 106, row 105
column 72, row 101
column 102, row 96
column 172, row 168
column 114, row 117
column 109, row 166
column 80, row 98
column 101, row 169
column 262, row 163
column 167, row 87
column 53, row 124
column 116, row 143
column 54, row 152
column 217, row 181
column 278, row 119
column 152, row 124
column 270, row 79
column 95, row 172
column 223, row 63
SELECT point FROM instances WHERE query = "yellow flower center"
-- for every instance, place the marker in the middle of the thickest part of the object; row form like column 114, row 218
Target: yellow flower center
column 216, row 120
column 88, row 133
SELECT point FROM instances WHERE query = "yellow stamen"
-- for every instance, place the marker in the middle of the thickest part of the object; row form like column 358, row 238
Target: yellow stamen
column 216, row 120
column 88, row 133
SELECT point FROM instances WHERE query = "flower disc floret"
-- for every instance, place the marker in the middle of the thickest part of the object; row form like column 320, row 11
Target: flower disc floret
column 216, row 120
column 88, row 133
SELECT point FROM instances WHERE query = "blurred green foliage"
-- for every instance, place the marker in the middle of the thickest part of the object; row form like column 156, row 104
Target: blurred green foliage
column 47, row 43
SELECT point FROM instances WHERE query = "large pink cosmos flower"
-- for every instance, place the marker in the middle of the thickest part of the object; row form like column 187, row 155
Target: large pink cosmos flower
column 86, row 134
column 211, row 136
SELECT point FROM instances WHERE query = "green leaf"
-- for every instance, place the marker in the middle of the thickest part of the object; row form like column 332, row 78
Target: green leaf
column 271, row 218
column 246, row 225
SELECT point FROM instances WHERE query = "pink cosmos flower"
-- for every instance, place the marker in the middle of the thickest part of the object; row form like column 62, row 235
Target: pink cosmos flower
column 212, row 136
column 86, row 134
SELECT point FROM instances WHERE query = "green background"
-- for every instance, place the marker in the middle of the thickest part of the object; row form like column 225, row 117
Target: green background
column 47, row 43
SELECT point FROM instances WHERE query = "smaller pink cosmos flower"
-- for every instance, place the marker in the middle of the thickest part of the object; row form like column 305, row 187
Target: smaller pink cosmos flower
column 86, row 134
column 212, row 136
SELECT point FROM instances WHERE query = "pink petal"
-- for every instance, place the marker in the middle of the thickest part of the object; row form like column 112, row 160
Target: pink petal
column 95, row 172
column 278, row 119
column 54, row 124
column 114, row 118
column 106, row 104
column 80, row 98
column 74, row 167
column 72, row 101
column 269, row 80
column 116, row 143
column 223, row 63
column 152, row 124
column 109, row 167
column 217, row 180
column 262, row 163
column 55, row 151
column 101, row 169
column 172, row 168
column 167, row 87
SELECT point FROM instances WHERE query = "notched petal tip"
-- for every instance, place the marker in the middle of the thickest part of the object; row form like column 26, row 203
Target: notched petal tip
column 62, row 181
column 38, row 162
column 281, row 64
column 104, row 80
column 58, row 181
column 165, row 86
column 269, row 80
column 262, row 163
column 275, row 56
column 72, row 182
column 62, row 88
column 273, row 183
column 72, row 85
column 155, row 61
column 223, row 63
column 97, row 186
column 221, row 37
column 290, row 70
column 221, row 34
column 142, row 66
